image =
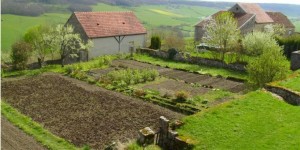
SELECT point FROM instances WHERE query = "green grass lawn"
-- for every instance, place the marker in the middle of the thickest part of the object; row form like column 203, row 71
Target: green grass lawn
column 34, row 129
column 292, row 82
column 191, row 67
column 13, row 27
column 254, row 121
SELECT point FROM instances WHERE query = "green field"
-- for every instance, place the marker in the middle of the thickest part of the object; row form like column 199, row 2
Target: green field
column 255, row 121
column 297, row 25
column 13, row 27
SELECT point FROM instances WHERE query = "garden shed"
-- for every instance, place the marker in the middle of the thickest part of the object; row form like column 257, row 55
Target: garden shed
column 111, row 32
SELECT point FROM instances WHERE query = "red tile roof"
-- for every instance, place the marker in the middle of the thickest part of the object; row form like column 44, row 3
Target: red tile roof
column 240, row 17
column 106, row 24
column 280, row 18
column 261, row 16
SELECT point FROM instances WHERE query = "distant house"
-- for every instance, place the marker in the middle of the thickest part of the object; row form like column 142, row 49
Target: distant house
column 111, row 32
column 250, row 17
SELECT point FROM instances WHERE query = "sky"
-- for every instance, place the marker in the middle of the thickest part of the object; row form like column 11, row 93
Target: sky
column 261, row 1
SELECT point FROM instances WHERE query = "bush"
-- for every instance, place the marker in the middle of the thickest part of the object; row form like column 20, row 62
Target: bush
column 155, row 42
column 268, row 67
column 255, row 43
column 172, row 52
column 20, row 55
column 290, row 44
column 181, row 96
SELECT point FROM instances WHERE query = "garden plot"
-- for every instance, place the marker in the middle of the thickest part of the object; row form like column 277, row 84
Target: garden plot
column 171, row 86
column 79, row 112
column 188, row 77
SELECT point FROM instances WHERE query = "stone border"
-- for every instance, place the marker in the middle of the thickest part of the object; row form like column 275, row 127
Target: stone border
column 289, row 96
column 185, row 57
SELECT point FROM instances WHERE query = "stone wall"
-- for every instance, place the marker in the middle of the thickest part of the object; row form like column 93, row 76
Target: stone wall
column 165, row 137
column 295, row 60
column 185, row 57
column 289, row 96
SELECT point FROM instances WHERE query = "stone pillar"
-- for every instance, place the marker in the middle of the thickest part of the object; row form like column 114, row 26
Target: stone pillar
column 295, row 60
column 146, row 136
column 164, row 128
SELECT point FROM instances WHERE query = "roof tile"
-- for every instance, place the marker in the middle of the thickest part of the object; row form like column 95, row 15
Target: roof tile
column 106, row 24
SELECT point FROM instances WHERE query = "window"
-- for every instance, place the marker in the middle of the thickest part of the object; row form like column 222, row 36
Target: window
column 290, row 32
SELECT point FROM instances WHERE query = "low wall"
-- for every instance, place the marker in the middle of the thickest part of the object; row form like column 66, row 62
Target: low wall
column 289, row 96
column 184, row 57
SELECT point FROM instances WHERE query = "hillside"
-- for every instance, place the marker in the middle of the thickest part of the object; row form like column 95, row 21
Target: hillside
column 182, row 16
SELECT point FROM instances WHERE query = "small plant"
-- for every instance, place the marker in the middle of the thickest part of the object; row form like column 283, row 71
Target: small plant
column 181, row 96
column 139, row 93
column 168, row 94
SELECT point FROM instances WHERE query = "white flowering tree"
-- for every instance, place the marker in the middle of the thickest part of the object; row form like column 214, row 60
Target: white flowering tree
column 222, row 33
column 254, row 43
column 68, row 42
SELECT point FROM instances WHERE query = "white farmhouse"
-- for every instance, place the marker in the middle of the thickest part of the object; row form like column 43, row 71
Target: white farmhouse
column 111, row 32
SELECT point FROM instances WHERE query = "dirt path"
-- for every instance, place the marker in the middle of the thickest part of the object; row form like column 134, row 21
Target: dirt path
column 13, row 138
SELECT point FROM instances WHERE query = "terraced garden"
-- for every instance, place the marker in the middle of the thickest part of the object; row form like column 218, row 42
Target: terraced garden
column 80, row 112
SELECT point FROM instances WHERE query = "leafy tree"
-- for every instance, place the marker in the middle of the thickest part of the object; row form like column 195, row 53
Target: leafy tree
column 20, row 54
column 222, row 32
column 271, row 65
column 275, row 29
column 255, row 43
column 68, row 42
column 41, row 42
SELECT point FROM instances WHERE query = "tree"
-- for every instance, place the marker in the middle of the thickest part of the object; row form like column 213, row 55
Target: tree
column 222, row 33
column 68, row 42
column 275, row 30
column 174, row 40
column 155, row 42
column 40, row 40
column 255, row 43
column 20, row 54
column 271, row 65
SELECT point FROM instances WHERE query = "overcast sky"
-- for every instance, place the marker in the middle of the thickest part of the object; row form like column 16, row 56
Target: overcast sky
column 262, row 1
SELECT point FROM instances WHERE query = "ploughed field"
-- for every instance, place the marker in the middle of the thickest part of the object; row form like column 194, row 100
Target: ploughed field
column 80, row 112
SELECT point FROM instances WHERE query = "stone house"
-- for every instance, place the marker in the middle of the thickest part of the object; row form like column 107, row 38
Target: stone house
column 111, row 32
column 250, row 17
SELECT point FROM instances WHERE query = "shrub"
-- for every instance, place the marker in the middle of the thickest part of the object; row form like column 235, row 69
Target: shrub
column 155, row 42
column 172, row 52
column 20, row 55
column 181, row 96
column 290, row 44
column 269, row 66
column 255, row 43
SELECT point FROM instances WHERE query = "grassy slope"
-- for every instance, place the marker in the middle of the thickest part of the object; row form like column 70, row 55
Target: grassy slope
column 34, row 129
column 255, row 121
column 191, row 67
column 292, row 82
column 13, row 27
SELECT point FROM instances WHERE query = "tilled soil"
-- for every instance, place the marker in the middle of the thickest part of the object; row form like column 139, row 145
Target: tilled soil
column 13, row 138
column 82, row 113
